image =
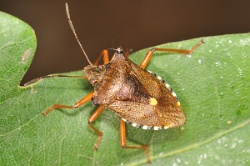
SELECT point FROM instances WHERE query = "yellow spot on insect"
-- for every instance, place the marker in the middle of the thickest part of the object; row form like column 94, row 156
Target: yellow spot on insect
column 166, row 126
column 178, row 103
column 153, row 101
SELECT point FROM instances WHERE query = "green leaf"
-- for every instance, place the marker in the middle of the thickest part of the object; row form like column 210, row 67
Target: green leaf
column 212, row 86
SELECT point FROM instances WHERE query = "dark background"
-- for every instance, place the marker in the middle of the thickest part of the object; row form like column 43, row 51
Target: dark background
column 134, row 24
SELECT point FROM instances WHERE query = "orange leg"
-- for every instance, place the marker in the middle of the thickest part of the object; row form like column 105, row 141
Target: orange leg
column 76, row 105
column 149, row 54
column 105, row 56
column 123, row 141
column 91, row 119
column 100, row 109
column 87, row 98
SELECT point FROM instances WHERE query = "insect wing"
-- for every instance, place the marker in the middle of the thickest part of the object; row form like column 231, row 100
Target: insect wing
column 164, row 100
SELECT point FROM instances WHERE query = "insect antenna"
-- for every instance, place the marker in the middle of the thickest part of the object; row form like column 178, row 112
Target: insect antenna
column 78, row 41
column 50, row 76
column 74, row 32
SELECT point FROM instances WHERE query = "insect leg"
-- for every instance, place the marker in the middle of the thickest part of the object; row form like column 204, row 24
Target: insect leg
column 91, row 119
column 123, row 141
column 76, row 105
column 149, row 54
column 105, row 56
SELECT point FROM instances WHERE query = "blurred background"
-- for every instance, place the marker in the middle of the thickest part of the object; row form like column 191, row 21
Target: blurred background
column 131, row 24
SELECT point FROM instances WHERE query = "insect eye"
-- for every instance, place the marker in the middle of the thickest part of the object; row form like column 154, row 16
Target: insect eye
column 119, row 50
column 98, row 69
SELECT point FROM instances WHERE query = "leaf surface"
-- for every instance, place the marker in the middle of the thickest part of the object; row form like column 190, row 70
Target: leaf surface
column 212, row 86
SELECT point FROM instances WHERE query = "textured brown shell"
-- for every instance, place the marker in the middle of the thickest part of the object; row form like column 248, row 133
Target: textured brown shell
column 127, row 89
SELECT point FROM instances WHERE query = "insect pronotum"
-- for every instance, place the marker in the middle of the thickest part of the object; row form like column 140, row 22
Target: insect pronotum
column 137, row 96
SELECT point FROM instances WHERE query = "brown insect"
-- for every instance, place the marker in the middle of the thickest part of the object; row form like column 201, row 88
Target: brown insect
column 136, row 95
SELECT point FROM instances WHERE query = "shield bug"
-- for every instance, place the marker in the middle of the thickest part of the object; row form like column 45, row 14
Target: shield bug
column 137, row 96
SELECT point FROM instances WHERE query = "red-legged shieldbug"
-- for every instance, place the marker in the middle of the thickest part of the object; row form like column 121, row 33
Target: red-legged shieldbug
column 137, row 96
